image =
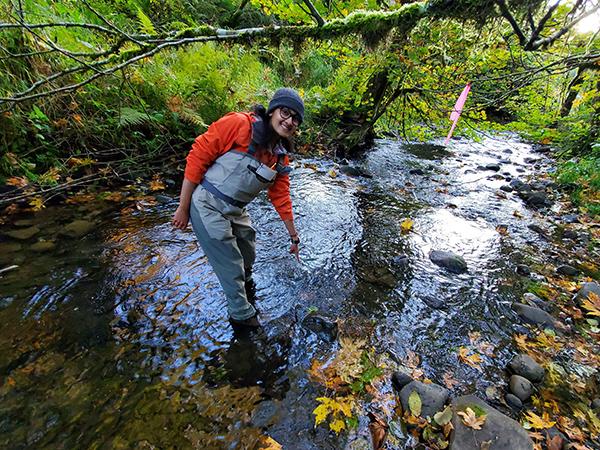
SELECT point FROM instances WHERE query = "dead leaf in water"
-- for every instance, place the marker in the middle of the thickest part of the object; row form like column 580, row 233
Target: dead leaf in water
column 268, row 443
column 473, row 360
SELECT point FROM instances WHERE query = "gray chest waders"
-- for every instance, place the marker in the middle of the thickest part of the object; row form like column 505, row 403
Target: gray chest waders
column 222, row 225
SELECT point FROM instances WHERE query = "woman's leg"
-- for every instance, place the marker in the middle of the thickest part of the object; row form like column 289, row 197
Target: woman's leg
column 246, row 240
column 225, row 258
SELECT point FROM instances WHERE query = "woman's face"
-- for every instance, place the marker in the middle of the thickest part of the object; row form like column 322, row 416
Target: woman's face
column 285, row 121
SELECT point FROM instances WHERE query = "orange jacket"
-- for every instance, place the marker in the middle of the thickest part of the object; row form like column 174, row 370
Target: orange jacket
column 234, row 130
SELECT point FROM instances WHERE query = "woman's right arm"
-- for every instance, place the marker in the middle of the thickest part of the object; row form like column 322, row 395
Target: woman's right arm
column 182, row 214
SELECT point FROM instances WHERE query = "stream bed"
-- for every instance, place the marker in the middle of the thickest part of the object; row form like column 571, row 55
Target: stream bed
column 114, row 331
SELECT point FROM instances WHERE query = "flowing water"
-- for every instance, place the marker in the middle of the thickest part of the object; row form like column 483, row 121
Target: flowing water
column 117, row 337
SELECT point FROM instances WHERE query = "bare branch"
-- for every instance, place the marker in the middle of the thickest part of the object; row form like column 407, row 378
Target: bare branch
column 513, row 22
column 545, row 42
column 314, row 13
column 33, row 26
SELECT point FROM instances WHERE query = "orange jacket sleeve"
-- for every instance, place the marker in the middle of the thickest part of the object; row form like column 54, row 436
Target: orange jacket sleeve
column 279, row 195
column 233, row 129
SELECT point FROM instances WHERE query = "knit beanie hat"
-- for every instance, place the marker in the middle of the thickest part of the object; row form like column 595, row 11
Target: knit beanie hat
column 289, row 98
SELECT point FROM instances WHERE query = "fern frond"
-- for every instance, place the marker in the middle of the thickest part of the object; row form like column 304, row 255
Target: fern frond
column 133, row 117
column 190, row 116
column 146, row 25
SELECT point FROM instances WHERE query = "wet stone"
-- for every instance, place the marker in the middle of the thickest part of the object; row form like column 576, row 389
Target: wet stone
column 570, row 218
column 163, row 199
column 533, row 315
column 43, row 246
column 523, row 365
column 23, row 223
column 400, row 261
column 493, row 166
column 523, row 270
column 23, row 234
column 514, row 402
column 448, row 260
column 354, row 171
column 521, row 387
column 570, row 234
column 265, row 414
column 78, row 228
column 504, row 432
column 535, row 199
column 565, row 269
column 433, row 397
column 596, row 404
column 519, row 186
column 416, row 172
column 9, row 247
column 506, row 188
column 324, row 327
column 400, row 379
column 534, row 300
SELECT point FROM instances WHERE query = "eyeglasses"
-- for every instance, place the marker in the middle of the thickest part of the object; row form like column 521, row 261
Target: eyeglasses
column 286, row 113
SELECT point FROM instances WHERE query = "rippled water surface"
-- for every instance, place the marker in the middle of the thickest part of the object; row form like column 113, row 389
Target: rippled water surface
column 118, row 338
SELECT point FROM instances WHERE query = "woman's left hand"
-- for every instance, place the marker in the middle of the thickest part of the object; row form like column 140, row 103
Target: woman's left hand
column 295, row 249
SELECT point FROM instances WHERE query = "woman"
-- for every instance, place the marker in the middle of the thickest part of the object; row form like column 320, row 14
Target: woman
column 238, row 156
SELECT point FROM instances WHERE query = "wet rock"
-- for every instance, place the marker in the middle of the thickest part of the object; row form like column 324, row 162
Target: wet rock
column 507, row 150
column 523, row 270
column 533, row 315
column 400, row 261
column 514, row 402
column 495, row 167
column 596, row 404
column 9, row 247
column 520, row 170
column 534, row 300
column 170, row 182
column 521, row 387
column 354, row 171
column 586, row 289
column 400, row 379
column 78, row 228
column 519, row 186
column 162, row 199
column 530, row 160
column 448, row 260
column 565, row 269
column 435, row 302
column 504, row 432
column 535, row 199
column 506, row 188
column 570, row 218
column 538, row 229
column 380, row 276
column 265, row 414
column 570, row 234
column 324, row 327
column 416, row 172
column 23, row 234
column 43, row 246
column 24, row 223
column 523, row 365
column 433, row 397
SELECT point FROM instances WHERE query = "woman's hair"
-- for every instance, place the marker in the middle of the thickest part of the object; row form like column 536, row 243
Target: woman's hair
column 262, row 141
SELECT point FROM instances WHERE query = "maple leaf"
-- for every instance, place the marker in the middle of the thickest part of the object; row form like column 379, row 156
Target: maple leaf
column 406, row 226
column 156, row 184
column 470, row 419
column 337, row 425
column 37, row 203
column 268, row 443
column 17, row 182
column 450, row 381
column 538, row 422
column 555, row 443
column 472, row 360
column 592, row 304
column 347, row 363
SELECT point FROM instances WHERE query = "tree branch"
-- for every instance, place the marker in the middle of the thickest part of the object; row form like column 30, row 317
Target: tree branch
column 314, row 13
column 513, row 23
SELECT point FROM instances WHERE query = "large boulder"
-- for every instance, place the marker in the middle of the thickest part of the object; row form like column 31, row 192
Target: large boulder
column 501, row 431
column 525, row 366
column 449, row 261
column 433, row 397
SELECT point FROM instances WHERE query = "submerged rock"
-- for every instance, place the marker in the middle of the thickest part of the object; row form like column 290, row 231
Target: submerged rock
column 433, row 397
column 43, row 246
column 23, row 234
column 506, row 188
column 78, row 228
column 9, row 247
column 416, row 172
column 520, row 186
column 534, row 315
column 324, row 327
column 525, row 366
column 23, row 223
column 523, row 270
column 354, row 171
column 503, row 432
column 535, row 199
column 448, row 260
column 521, row 387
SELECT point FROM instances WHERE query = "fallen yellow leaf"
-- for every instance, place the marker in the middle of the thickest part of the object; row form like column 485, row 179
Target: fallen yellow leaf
column 470, row 419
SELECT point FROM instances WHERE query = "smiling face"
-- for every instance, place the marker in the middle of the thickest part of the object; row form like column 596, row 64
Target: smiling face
column 284, row 121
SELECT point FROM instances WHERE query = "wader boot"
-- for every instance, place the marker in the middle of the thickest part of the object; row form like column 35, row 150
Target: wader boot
column 250, row 287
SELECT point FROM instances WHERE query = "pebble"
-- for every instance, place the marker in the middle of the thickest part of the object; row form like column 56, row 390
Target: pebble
column 524, row 366
column 565, row 269
column 400, row 379
column 521, row 387
column 514, row 402
column 450, row 261
column 524, row 270
column 43, row 246
column 24, row 234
